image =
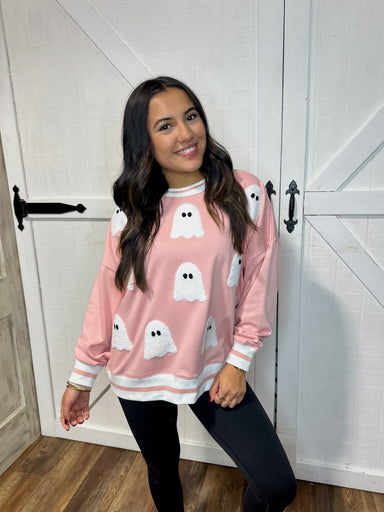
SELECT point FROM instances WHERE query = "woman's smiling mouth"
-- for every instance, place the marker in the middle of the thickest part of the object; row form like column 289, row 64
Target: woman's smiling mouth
column 188, row 152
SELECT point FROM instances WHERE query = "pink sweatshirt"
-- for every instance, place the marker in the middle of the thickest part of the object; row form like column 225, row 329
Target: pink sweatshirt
column 205, row 304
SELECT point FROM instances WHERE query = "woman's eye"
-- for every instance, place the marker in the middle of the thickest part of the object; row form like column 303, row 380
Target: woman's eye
column 164, row 127
column 191, row 117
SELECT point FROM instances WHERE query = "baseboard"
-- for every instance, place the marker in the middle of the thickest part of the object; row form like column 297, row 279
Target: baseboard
column 309, row 471
column 344, row 477
column 204, row 453
column 125, row 440
column 97, row 435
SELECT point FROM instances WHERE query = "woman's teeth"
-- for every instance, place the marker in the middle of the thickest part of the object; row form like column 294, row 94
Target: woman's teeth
column 186, row 151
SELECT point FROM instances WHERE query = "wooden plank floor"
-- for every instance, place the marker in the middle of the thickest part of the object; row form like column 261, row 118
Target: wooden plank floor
column 57, row 475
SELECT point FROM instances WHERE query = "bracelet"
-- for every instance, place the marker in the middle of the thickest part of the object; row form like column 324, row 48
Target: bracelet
column 77, row 387
column 243, row 372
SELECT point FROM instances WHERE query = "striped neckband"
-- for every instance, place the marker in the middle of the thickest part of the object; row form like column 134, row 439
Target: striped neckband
column 191, row 190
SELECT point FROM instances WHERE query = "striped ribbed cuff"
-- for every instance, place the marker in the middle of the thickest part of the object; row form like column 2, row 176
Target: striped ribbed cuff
column 84, row 374
column 241, row 356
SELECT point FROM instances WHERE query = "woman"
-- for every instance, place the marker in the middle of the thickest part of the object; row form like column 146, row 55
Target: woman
column 184, row 296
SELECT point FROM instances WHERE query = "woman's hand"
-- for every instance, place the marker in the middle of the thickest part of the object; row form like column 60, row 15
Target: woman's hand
column 229, row 387
column 74, row 407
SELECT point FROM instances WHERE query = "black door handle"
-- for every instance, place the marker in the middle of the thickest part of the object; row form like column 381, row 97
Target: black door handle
column 22, row 208
column 292, row 190
column 269, row 189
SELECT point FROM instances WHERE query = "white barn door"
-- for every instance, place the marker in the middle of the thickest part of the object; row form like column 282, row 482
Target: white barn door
column 72, row 64
column 331, row 319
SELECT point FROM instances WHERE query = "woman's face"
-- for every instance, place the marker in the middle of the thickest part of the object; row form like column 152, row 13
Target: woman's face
column 178, row 137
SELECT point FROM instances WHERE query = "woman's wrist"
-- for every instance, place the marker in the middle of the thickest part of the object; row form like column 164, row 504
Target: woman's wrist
column 77, row 387
column 240, row 370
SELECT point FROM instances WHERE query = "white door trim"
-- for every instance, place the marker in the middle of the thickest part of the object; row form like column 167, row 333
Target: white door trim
column 345, row 245
column 353, row 156
column 332, row 475
column 293, row 167
column 343, row 203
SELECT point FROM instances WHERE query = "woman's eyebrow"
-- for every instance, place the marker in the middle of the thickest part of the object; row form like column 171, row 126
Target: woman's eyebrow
column 163, row 119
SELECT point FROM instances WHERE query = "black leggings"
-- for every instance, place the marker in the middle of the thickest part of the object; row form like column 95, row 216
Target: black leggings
column 244, row 432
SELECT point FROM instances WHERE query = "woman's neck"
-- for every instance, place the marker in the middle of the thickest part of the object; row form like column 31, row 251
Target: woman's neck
column 181, row 180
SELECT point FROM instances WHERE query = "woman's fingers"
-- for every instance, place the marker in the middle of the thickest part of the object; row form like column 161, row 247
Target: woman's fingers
column 214, row 389
column 224, row 401
column 73, row 417
column 218, row 399
column 229, row 386
column 64, row 415
column 228, row 400
column 80, row 415
column 64, row 421
column 74, row 408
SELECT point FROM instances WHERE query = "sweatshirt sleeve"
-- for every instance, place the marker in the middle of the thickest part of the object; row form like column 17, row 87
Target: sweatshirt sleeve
column 93, row 346
column 257, row 290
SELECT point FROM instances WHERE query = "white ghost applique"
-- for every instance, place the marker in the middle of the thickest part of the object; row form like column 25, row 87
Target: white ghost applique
column 187, row 222
column 158, row 340
column 120, row 339
column 189, row 284
column 119, row 220
column 254, row 195
column 234, row 274
column 210, row 337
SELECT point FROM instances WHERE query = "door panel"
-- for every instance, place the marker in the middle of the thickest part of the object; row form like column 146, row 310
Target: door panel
column 11, row 397
column 19, row 420
column 334, row 424
column 71, row 77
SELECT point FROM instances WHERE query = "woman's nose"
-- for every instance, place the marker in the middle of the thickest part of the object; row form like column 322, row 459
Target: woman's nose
column 185, row 133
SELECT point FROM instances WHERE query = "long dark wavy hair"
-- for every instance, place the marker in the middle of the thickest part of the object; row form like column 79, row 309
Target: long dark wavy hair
column 141, row 184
